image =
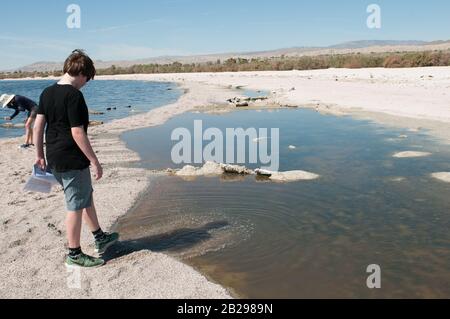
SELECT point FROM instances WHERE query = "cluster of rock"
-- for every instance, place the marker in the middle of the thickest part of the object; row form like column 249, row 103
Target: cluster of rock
column 96, row 112
column 95, row 123
column 212, row 168
column 115, row 108
column 442, row 176
column 108, row 109
column 244, row 102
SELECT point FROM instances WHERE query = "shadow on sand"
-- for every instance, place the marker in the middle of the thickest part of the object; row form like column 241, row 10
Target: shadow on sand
column 174, row 241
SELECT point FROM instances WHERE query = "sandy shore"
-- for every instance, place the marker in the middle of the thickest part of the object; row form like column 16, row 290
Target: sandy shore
column 33, row 236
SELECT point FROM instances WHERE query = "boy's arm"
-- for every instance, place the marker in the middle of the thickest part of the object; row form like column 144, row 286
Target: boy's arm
column 82, row 140
column 39, row 140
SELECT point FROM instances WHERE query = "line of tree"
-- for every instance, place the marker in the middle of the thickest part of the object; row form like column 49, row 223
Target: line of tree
column 282, row 63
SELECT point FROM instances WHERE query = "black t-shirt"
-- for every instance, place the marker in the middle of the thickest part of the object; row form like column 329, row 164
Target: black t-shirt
column 64, row 107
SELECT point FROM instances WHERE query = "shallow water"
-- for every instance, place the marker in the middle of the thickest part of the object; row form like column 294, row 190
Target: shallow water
column 142, row 96
column 304, row 239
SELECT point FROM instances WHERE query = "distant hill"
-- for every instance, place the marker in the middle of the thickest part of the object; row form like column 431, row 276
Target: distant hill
column 372, row 43
column 365, row 46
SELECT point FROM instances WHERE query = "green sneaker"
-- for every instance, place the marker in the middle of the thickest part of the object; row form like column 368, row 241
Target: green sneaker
column 109, row 239
column 84, row 261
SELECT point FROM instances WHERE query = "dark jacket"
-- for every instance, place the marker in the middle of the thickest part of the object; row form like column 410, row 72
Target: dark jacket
column 22, row 104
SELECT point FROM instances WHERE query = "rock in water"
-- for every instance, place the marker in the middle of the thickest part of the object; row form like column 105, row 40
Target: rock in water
column 259, row 139
column 289, row 176
column 263, row 172
column 95, row 112
column 410, row 154
column 236, row 169
column 95, row 123
column 397, row 179
column 442, row 176
column 209, row 168
column 212, row 168
column 293, row 176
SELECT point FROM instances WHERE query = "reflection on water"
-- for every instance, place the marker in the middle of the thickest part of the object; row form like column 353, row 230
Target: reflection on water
column 304, row 239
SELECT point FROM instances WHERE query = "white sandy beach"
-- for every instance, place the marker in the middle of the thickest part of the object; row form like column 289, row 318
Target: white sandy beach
column 33, row 237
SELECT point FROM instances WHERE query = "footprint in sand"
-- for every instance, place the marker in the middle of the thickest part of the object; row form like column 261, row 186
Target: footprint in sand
column 17, row 202
column 17, row 243
column 54, row 228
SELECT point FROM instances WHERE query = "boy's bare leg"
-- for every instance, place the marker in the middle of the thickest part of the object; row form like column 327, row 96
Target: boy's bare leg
column 73, row 227
column 90, row 217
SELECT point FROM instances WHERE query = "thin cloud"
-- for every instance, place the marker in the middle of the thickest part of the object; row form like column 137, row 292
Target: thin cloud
column 20, row 51
column 131, row 52
column 34, row 43
column 124, row 26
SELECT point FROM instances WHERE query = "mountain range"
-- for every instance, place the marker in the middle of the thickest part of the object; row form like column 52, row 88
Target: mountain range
column 364, row 46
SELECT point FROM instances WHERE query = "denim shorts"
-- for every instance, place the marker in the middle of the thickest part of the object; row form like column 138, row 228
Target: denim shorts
column 78, row 189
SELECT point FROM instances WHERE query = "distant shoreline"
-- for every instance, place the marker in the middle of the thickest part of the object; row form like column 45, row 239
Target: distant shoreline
column 370, row 57
column 352, row 47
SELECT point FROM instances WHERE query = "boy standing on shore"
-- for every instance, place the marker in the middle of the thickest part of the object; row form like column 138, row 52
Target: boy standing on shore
column 69, row 155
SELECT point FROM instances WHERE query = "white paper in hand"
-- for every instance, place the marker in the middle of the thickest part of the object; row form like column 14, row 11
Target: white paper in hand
column 40, row 181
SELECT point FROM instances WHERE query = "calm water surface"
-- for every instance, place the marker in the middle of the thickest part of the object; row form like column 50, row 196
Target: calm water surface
column 100, row 95
column 303, row 239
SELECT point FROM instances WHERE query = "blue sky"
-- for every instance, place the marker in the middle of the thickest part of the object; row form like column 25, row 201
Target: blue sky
column 33, row 31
